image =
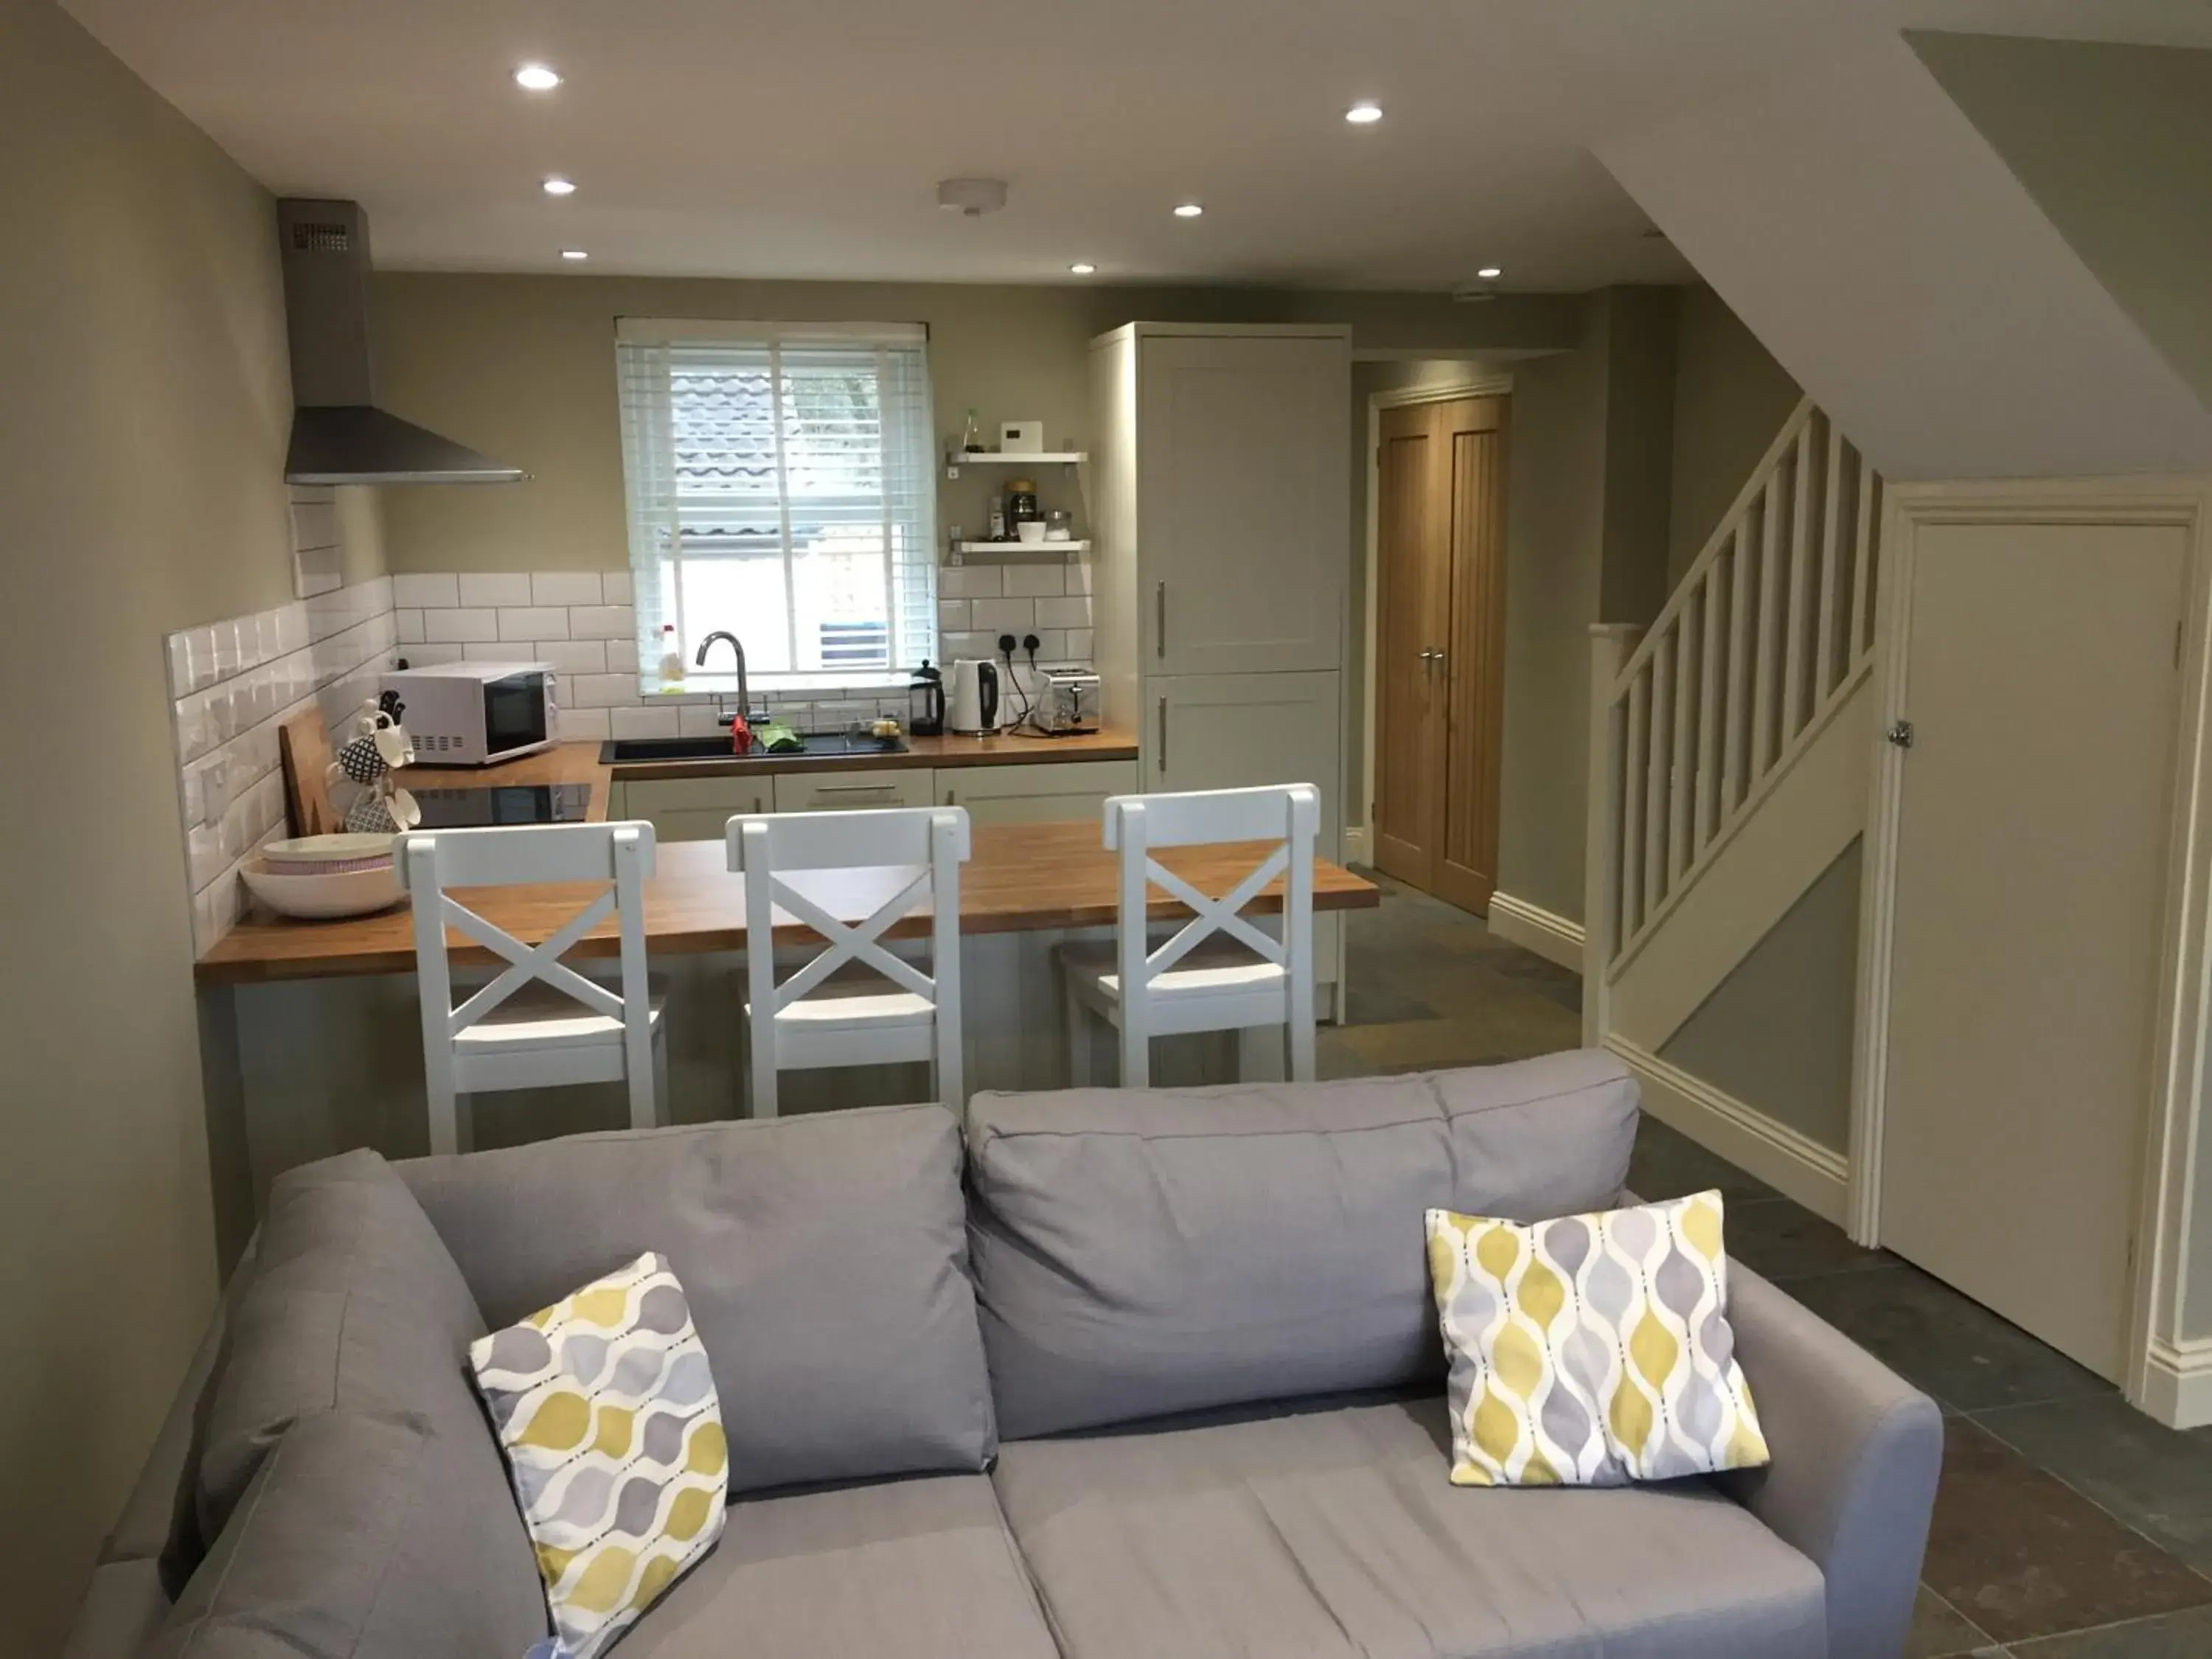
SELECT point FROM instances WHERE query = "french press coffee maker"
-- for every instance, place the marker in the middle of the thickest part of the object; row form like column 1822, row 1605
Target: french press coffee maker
column 925, row 703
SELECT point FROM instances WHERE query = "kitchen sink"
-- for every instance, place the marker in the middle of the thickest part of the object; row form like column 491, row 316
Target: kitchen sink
column 813, row 746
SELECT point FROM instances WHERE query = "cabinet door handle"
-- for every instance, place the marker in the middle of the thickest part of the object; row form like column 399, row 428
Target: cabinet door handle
column 854, row 789
column 1160, row 620
column 1163, row 735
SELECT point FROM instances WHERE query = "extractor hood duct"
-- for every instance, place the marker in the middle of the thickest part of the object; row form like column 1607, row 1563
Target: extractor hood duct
column 338, row 434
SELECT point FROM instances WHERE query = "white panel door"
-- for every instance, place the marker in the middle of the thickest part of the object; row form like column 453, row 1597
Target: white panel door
column 1229, row 731
column 2041, row 685
column 1243, row 514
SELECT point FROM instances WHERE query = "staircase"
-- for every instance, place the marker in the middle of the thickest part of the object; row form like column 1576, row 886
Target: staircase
column 1730, row 746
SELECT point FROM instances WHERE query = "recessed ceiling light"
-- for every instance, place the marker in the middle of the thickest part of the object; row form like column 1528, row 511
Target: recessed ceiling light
column 1082, row 268
column 556, row 185
column 1364, row 114
column 573, row 253
column 1188, row 210
column 1490, row 273
column 537, row 77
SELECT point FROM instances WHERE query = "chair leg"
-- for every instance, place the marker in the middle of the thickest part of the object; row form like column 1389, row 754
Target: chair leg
column 657, row 1112
column 763, row 1068
column 1302, row 1048
column 1136, row 1055
column 1259, row 1054
column 1078, row 1035
column 445, row 1114
column 464, row 1123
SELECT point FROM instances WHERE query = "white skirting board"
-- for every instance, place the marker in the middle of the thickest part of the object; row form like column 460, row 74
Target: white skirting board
column 1790, row 1163
column 1535, row 929
column 2178, row 1391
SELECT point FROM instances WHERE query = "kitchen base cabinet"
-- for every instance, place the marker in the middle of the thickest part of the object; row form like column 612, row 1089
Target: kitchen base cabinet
column 689, row 809
column 1048, row 791
column 847, row 792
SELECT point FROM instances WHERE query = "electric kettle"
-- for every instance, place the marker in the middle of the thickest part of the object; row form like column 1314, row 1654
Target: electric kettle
column 972, row 704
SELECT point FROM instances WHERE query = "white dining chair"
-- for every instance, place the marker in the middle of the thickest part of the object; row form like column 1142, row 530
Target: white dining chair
column 538, row 1023
column 808, row 1021
column 1259, row 987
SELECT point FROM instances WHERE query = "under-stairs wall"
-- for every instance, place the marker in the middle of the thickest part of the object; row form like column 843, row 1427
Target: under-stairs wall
column 1730, row 765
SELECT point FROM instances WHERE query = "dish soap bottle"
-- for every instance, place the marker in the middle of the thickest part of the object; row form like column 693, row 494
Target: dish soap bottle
column 672, row 656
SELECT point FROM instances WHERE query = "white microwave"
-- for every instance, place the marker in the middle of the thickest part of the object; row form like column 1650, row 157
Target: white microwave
column 477, row 713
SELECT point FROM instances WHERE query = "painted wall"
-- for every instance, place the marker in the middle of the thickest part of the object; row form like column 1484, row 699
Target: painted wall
column 142, row 446
column 1855, row 219
column 2114, row 143
column 522, row 368
column 1776, row 1034
column 1730, row 398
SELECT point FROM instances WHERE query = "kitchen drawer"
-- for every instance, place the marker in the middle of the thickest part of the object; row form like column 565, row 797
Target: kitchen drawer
column 691, row 809
column 846, row 792
column 1049, row 792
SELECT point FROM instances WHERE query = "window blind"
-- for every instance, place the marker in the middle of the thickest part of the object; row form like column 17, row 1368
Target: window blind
column 781, row 485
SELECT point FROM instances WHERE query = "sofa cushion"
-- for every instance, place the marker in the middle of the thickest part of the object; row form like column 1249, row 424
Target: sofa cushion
column 349, row 1543
column 605, row 1407
column 922, row 1568
column 1334, row 1532
column 1141, row 1252
column 824, row 1258
column 1591, row 1350
column 354, row 1304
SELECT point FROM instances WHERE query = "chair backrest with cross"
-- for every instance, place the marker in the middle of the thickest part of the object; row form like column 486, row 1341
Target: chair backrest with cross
column 912, row 856
column 1287, row 815
column 539, row 1022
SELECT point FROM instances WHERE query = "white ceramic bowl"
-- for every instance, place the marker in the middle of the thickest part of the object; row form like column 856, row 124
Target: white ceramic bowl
column 322, row 897
column 1031, row 531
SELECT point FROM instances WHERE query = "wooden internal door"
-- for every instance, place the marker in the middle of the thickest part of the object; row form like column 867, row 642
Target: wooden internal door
column 2040, row 684
column 1439, row 641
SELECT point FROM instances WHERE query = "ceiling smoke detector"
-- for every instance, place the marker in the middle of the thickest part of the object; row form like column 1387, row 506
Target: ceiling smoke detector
column 971, row 198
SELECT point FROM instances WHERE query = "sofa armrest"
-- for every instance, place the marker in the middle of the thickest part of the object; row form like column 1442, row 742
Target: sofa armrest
column 1856, row 1451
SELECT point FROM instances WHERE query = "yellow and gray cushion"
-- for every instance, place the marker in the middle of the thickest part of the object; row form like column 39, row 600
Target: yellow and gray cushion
column 606, row 1407
column 1593, row 1349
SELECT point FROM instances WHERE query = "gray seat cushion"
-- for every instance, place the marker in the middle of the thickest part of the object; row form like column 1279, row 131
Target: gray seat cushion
column 350, row 1544
column 923, row 1569
column 354, row 1304
column 1143, row 1252
column 825, row 1259
column 1335, row 1533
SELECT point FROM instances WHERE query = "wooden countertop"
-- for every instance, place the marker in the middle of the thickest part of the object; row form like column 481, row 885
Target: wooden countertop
column 1009, row 749
column 1021, row 876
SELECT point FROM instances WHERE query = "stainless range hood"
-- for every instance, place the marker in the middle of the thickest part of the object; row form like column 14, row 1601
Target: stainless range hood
column 338, row 434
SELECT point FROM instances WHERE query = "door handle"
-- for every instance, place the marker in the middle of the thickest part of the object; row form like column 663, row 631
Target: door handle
column 1160, row 620
column 1163, row 735
column 854, row 789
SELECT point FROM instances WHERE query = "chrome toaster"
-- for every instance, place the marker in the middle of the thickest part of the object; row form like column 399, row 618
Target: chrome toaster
column 1066, row 702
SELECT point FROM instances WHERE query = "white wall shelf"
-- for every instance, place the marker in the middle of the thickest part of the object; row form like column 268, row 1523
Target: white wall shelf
column 1026, row 550
column 996, row 457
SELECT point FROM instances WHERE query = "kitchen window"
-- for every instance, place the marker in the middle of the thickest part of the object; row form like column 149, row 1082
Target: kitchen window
column 781, row 485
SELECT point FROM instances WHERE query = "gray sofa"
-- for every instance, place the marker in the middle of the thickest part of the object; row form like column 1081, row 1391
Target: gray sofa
column 1111, row 1375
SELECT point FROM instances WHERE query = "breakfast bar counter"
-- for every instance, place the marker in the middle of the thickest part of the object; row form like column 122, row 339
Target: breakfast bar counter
column 1021, row 878
column 311, row 1032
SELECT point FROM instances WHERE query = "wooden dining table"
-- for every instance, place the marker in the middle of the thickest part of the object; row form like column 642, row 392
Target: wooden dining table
column 1020, row 878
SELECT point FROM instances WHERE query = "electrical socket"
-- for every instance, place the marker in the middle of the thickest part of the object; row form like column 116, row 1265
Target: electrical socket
column 1007, row 643
column 1029, row 643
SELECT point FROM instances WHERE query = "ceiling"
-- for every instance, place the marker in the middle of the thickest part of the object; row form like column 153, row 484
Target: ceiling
column 804, row 138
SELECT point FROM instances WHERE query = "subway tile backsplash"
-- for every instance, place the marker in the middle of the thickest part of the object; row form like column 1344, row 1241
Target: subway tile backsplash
column 232, row 682
column 581, row 623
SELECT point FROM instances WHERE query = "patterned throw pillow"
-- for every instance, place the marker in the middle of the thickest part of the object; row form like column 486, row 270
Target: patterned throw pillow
column 606, row 1410
column 1592, row 1349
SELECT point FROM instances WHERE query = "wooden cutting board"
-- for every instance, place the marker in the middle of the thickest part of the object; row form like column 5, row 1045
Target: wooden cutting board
column 304, row 742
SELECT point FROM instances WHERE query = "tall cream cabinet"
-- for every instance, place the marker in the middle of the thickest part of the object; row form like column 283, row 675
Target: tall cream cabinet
column 1221, row 526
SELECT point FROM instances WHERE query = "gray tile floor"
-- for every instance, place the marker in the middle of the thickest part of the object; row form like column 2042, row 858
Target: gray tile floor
column 2068, row 1525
